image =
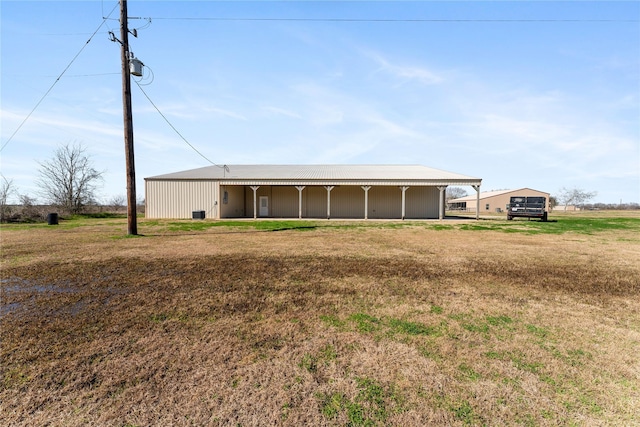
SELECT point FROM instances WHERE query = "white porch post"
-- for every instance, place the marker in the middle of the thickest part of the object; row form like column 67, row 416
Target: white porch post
column 477, row 188
column 329, row 188
column 300, row 188
column 255, row 204
column 404, row 190
column 441, row 206
column 366, row 189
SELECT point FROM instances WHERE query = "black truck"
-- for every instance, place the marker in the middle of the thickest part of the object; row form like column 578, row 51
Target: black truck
column 527, row 207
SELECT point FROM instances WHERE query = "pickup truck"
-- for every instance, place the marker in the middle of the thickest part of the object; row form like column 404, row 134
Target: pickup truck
column 527, row 207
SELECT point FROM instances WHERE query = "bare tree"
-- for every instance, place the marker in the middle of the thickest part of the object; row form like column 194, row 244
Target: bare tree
column 6, row 190
column 118, row 202
column 455, row 193
column 30, row 211
column 574, row 196
column 68, row 179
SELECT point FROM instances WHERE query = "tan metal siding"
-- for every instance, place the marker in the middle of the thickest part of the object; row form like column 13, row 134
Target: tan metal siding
column 347, row 202
column 264, row 190
column 314, row 202
column 500, row 201
column 284, row 202
column 385, row 202
column 178, row 199
column 421, row 202
column 235, row 203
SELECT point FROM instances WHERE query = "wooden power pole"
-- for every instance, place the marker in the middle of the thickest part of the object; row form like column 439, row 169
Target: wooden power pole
column 132, row 223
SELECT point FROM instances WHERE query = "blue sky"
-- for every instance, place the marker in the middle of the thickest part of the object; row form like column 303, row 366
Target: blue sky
column 521, row 94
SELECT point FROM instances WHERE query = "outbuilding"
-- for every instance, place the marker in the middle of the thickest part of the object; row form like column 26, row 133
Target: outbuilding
column 493, row 201
column 303, row 191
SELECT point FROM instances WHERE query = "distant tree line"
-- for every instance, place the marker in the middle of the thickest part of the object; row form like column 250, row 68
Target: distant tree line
column 611, row 206
column 68, row 183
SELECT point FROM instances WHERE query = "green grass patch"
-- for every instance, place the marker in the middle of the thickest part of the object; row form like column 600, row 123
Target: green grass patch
column 328, row 353
column 411, row 328
column 372, row 405
column 257, row 225
column 442, row 227
column 537, row 331
column 101, row 215
column 389, row 327
column 365, row 322
column 435, row 309
column 309, row 362
column 487, row 325
column 163, row 317
column 478, row 327
column 331, row 404
column 517, row 358
column 496, row 355
column 127, row 236
column 333, row 320
column 561, row 225
column 499, row 321
column 468, row 372
column 460, row 408
column 464, row 412
column 15, row 377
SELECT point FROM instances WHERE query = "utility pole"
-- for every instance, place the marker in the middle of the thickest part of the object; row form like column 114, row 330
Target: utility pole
column 132, row 223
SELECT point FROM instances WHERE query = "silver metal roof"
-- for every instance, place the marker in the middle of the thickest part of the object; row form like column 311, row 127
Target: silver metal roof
column 487, row 194
column 320, row 174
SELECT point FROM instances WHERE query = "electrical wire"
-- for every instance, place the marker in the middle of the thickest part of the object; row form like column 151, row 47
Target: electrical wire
column 146, row 79
column 90, row 75
column 176, row 130
column 383, row 20
column 56, row 81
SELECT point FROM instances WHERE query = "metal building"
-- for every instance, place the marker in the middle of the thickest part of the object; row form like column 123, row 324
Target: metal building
column 493, row 201
column 303, row 191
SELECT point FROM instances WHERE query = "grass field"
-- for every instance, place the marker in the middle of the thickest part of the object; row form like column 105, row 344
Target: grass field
column 455, row 322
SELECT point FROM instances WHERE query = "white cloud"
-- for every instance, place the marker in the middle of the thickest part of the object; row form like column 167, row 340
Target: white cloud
column 521, row 131
column 282, row 112
column 224, row 112
column 405, row 73
column 52, row 128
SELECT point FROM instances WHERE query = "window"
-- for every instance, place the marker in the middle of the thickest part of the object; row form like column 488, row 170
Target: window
column 486, row 207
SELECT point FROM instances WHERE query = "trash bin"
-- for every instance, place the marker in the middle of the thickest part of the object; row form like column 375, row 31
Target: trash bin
column 197, row 215
column 52, row 219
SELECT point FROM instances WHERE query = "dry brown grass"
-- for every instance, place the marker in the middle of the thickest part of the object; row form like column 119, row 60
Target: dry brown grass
column 359, row 326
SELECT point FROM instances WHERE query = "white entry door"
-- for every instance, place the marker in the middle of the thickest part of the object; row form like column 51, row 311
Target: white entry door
column 264, row 205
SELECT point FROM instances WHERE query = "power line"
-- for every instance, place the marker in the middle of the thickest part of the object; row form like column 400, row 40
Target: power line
column 173, row 127
column 383, row 20
column 89, row 75
column 56, row 81
column 374, row 20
